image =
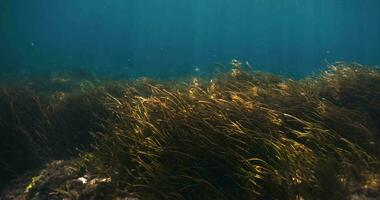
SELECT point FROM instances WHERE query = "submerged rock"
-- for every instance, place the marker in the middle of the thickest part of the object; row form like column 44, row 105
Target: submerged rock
column 62, row 180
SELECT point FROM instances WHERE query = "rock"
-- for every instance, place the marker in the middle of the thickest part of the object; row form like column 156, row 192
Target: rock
column 63, row 180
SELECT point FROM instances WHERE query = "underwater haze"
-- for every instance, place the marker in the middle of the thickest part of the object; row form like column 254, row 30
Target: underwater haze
column 175, row 37
column 190, row 99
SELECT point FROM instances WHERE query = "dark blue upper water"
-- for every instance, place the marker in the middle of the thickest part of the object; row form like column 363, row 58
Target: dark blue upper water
column 171, row 37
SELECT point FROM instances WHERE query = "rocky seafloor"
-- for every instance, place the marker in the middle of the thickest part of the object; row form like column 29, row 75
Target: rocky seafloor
column 62, row 180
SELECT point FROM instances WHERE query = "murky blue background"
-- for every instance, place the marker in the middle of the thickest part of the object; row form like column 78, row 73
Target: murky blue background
column 171, row 37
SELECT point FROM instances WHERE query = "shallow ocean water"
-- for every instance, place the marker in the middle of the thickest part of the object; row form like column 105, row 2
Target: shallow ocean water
column 178, row 99
column 171, row 38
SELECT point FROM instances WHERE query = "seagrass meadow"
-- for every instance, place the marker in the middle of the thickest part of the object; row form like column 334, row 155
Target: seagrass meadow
column 241, row 134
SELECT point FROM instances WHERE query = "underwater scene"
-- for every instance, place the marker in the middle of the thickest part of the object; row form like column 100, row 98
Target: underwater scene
column 180, row 99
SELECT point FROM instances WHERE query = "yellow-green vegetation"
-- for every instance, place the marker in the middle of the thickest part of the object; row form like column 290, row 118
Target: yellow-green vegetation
column 32, row 184
column 241, row 135
column 37, row 125
column 244, row 135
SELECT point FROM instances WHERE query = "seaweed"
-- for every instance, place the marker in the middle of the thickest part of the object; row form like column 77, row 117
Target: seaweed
column 240, row 135
column 22, row 130
column 244, row 135
column 38, row 126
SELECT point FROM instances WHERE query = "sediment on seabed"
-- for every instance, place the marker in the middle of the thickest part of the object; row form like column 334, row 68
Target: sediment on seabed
column 240, row 135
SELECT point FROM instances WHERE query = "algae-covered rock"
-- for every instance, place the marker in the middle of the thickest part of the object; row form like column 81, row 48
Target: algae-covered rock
column 62, row 180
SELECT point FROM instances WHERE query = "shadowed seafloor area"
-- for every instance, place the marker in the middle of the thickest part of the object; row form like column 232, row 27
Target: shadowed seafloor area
column 242, row 134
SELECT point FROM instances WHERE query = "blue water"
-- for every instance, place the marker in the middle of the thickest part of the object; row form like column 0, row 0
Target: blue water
column 166, row 38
